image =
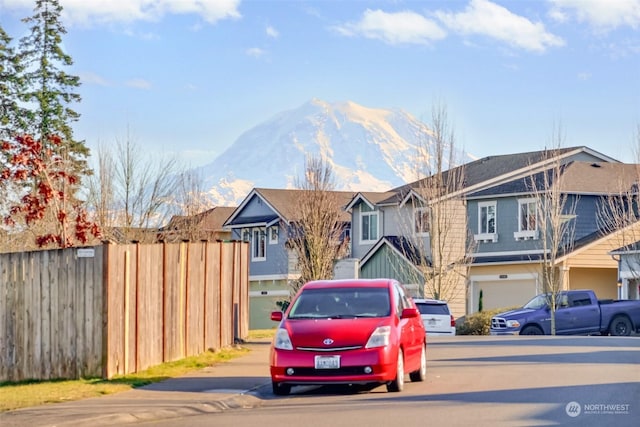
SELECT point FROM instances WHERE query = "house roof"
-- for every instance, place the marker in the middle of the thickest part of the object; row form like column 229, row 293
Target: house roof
column 632, row 248
column 595, row 178
column 209, row 220
column 283, row 203
column 401, row 245
column 492, row 170
column 370, row 197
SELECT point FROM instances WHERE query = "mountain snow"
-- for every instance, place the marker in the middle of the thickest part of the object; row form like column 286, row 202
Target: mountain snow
column 368, row 149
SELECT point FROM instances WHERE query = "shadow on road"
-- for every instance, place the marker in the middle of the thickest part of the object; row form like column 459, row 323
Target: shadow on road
column 547, row 341
column 609, row 356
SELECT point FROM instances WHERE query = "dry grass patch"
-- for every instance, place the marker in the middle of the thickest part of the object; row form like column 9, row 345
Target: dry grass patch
column 34, row 393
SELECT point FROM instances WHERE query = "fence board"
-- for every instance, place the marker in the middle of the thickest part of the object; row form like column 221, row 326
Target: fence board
column 194, row 300
column 212, row 299
column 150, row 305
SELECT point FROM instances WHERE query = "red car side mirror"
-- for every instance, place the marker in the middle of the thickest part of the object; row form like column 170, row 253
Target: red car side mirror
column 409, row 313
column 276, row 316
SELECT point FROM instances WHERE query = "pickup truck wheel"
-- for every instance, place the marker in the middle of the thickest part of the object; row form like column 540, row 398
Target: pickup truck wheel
column 620, row 327
column 531, row 330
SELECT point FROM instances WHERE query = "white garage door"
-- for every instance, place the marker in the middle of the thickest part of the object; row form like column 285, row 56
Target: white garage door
column 502, row 293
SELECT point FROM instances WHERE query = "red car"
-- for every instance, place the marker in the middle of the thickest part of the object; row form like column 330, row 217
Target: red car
column 362, row 331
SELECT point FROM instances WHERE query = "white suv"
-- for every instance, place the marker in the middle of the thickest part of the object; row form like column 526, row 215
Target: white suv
column 436, row 316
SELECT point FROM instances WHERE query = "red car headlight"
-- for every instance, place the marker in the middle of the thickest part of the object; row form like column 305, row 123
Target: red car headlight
column 282, row 340
column 379, row 337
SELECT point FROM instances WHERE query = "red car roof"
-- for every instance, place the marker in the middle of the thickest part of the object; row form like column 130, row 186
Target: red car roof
column 349, row 283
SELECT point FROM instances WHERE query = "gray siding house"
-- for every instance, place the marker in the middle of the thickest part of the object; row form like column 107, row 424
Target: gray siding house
column 507, row 262
column 264, row 219
column 388, row 239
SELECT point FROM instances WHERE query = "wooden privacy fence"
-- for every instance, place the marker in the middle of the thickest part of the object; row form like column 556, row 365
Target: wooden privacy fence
column 117, row 309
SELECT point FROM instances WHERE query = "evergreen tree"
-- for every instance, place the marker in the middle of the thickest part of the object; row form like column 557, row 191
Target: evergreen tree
column 48, row 87
column 12, row 116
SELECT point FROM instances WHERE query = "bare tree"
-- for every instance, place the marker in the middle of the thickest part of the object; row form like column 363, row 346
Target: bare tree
column 438, row 228
column 130, row 191
column 553, row 215
column 191, row 205
column 619, row 213
column 317, row 233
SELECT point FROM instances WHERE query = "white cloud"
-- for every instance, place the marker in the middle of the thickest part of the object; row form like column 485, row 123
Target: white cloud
column 603, row 15
column 272, row 32
column 394, row 28
column 87, row 12
column 256, row 52
column 482, row 17
column 139, row 84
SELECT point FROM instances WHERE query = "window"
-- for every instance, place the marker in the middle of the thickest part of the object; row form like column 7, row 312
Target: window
column 421, row 220
column 487, row 229
column 273, row 235
column 527, row 220
column 258, row 245
column 368, row 224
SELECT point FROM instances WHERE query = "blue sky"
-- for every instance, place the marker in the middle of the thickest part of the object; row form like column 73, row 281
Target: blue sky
column 190, row 76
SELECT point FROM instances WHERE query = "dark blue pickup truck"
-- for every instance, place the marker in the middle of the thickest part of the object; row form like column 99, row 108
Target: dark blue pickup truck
column 579, row 312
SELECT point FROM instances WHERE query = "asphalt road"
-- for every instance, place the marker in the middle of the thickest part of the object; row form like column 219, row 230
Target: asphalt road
column 473, row 381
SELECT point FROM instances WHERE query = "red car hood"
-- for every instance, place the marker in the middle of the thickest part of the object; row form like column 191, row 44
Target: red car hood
column 343, row 332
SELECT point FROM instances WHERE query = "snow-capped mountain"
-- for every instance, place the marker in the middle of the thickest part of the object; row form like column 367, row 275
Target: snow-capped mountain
column 368, row 149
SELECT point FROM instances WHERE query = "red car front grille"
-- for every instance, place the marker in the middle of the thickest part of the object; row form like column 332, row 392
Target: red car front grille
column 325, row 349
column 344, row 371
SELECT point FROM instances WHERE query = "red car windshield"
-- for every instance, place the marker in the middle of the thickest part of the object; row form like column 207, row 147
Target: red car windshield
column 338, row 303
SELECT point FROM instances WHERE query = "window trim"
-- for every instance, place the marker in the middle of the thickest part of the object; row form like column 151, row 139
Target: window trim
column 526, row 234
column 422, row 210
column 373, row 213
column 273, row 235
column 487, row 237
column 257, row 235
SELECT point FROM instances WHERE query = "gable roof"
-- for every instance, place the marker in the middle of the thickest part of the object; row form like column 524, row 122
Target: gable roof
column 371, row 198
column 596, row 178
column 283, row 204
column 209, row 220
column 495, row 170
column 402, row 246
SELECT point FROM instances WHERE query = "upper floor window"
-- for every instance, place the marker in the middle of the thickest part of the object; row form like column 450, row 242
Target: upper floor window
column 273, row 235
column 421, row 220
column 527, row 219
column 487, row 216
column 487, row 227
column 258, row 241
column 368, row 224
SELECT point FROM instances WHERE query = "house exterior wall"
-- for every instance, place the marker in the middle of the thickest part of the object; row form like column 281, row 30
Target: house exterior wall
column 397, row 221
column 276, row 260
column 264, row 296
column 603, row 281
column 386, row 263
column 359, row 249
column 507, row 222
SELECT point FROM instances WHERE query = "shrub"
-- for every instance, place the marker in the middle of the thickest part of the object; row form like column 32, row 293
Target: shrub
column 478, row 323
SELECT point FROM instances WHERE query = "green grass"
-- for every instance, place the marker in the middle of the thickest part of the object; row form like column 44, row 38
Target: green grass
column 15, row 395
